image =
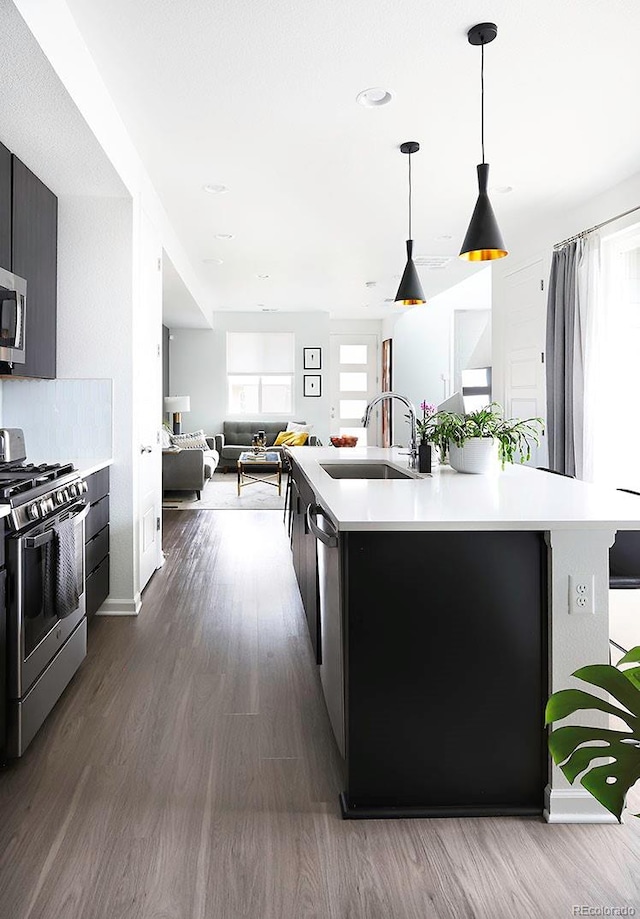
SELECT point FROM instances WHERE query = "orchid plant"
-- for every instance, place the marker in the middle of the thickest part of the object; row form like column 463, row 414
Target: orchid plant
column 425, row 425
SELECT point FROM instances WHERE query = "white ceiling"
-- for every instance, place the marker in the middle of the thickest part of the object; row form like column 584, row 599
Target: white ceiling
column 260, row 96
column 41, row 124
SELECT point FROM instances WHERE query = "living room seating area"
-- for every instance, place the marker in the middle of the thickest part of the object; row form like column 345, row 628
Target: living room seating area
column 236, row 437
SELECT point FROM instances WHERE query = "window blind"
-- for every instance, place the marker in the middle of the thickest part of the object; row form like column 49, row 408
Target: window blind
column 260, row 352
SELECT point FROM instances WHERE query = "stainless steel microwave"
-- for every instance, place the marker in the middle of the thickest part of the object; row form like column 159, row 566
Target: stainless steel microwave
column 13, row 308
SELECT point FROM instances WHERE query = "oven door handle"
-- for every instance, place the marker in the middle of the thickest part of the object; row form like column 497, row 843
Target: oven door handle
column 35, row 542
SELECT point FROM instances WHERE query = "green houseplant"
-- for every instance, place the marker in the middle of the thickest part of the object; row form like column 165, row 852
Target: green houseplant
column 574, row 747
column 450, row 431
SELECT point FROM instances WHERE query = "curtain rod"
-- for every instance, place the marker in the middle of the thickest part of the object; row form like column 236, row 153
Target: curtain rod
column 598, row 226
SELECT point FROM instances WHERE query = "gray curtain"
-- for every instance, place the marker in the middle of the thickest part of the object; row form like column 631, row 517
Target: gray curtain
column 561, row 356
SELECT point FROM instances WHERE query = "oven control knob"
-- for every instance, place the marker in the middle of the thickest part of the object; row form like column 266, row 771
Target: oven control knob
column 34, row 512
column 84, row 487
column 44, row 507
column 59, row 497
column 73, row 490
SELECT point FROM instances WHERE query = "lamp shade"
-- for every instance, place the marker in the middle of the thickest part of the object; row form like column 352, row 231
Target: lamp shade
column 177, row 404
column 483, row 241
column 410, row 292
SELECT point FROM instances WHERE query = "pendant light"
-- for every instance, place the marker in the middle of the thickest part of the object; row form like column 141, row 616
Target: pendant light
column 410, row 292
column 483, row 241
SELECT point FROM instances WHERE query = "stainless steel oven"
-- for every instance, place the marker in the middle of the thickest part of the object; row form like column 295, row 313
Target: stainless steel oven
column 13, row 308
column 44, row 646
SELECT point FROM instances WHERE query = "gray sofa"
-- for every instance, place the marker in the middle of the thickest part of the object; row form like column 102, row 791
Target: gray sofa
column 188, row 470
column 236, row 437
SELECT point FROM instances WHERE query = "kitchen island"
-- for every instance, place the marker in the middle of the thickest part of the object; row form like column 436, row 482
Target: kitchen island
column 443, row 611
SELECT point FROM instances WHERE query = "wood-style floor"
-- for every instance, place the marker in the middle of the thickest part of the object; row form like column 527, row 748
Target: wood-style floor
column 188, row 772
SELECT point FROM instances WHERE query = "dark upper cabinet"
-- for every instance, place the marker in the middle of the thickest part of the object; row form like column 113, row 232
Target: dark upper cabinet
column 5, row 208
column 34, row 251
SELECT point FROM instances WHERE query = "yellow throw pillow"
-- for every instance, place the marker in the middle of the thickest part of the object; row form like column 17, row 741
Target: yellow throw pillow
column 291, row 439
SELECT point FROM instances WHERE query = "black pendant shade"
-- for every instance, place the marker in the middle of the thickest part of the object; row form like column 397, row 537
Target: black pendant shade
column 483, row 241
column 410, row 292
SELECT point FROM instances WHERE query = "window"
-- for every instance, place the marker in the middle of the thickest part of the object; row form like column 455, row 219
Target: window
column 260, row 372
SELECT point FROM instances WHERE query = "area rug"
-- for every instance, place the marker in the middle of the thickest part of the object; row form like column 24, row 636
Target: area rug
column 221, row 493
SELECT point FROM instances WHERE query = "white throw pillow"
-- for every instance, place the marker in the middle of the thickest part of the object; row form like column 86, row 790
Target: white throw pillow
column 193, row 441
column 166, row 438
column 299, row 428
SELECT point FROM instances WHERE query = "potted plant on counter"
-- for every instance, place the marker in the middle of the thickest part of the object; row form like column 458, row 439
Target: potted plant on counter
column 471, row 438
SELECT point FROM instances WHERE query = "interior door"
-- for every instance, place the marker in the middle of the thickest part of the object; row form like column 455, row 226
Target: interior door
column 148, row 385
column 525, row 343
column 354, row 382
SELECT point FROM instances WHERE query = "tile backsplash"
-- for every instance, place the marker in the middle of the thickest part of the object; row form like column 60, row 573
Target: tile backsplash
column 62, row 419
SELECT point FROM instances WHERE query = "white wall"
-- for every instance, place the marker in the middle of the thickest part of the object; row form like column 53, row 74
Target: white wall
column 536, row 241
column 95, row 339
column 423, row 342
column 197, row 361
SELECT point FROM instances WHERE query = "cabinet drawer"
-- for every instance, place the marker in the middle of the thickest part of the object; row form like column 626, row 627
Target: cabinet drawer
column 98, row 485
column 97, row 587
column 97, row 518
column 96, row 549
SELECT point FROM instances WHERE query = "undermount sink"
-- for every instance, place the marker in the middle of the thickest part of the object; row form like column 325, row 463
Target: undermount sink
column 365, row 471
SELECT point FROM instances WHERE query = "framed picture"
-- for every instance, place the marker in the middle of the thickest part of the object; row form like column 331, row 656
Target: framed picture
column 312, row 384
column 312, row 358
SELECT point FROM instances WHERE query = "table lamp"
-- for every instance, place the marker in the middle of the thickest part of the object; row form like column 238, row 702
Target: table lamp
column 176, row 405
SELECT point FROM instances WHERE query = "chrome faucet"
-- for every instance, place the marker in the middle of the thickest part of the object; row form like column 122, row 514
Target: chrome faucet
column 413, row 447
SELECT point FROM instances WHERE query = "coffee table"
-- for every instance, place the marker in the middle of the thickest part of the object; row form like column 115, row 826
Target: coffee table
column 249, row 463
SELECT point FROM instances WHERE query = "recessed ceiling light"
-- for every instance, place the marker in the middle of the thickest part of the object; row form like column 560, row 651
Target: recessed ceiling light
column 225, row 236
column 502, row 189
column 388, row 300
column 269, row 309
column 444, row 236
column 215, row 189
column 371, row 283
column 374, row 97
column 263, row 277
column 213, row 261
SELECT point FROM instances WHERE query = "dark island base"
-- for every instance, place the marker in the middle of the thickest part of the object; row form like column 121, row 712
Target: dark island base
column 375, row 812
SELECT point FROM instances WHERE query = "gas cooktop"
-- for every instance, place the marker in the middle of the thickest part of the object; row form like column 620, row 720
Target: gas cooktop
column 20, row 478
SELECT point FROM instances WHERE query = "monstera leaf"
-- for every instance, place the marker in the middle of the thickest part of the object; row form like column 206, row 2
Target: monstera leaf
column 573, row 748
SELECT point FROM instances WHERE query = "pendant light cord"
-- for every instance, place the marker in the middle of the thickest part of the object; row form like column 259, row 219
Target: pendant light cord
column 482, row 98
column 409, row 196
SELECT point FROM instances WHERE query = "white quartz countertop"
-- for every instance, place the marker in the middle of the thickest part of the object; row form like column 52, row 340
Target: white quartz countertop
column 518, row 498
column 87, row 467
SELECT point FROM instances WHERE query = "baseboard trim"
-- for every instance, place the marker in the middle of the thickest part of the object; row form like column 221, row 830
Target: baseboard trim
column 573, row 805
column 351, row 811
column 125, row 607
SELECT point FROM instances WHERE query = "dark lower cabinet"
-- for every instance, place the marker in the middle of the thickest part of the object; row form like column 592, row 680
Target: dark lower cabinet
column 305, row 561
column 445, row 673
column 34, row 257
column 97, row 541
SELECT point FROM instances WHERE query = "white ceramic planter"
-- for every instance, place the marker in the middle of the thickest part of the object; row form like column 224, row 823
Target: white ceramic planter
column 475, row 457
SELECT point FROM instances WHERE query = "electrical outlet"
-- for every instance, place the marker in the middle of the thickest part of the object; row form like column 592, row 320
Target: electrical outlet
column 581, row 594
